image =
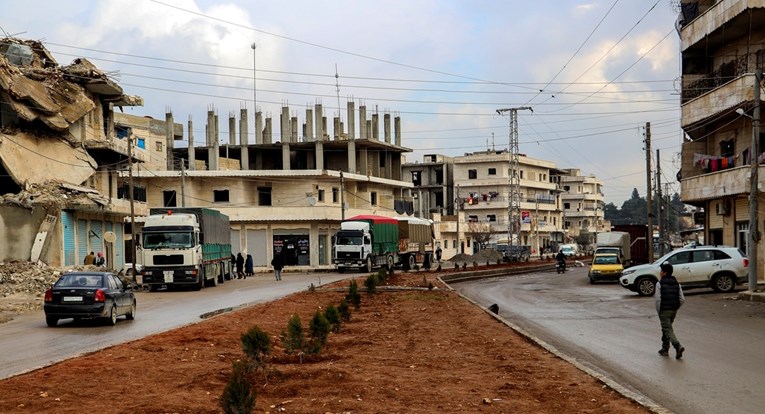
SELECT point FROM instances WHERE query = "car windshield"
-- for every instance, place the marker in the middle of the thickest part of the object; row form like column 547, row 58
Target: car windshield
column 606, row 260
column 664, row 258
column 167, row 240
column 78, row 280
column 349, row 240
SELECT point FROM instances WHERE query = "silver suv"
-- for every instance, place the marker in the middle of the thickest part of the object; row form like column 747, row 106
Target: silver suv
column 718, row 267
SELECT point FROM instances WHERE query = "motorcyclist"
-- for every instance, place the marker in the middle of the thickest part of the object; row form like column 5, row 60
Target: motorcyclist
column 561, row 258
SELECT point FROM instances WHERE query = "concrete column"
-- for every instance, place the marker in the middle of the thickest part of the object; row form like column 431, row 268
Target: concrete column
column 363, row 122
column 258, row 127
column 267, row 137
column 319, row 155
column 284, row 122
column 319, row 123
column 216, row 145
column 294, row 129
column 386, row 127
column 285, row 156
column 364, row 162
column 231, row 129
column 192, row 155
column 244, row 139
column 169, row 136
column 369, row 129
column 376, row 126
column 325, row 130
column 209, row 130
column 397, row 129
column 351, row 121
column 352, row 156
column 309, row 125
column 336, row 128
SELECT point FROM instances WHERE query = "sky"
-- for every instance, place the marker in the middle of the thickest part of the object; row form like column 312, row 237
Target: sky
column 593, row 72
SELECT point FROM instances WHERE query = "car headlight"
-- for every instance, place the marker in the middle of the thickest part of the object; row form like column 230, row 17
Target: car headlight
column 628, row 272
column 595, row 272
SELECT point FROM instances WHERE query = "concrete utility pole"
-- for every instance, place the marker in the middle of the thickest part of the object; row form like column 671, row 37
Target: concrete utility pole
column 649, row 200
column 660, row 206
column 183, row 182
column 132, row 207
column 754, row 192
column 457, row 210
column 342, row 197
column 514, row 187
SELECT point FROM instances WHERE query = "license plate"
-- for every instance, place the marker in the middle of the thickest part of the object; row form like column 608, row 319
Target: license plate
column 168, row 276
column 71, row 299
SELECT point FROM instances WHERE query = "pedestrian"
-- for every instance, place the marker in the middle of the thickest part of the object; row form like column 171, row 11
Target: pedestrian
column 438, row 253
column 248, row 268
column 239, row 265
column 90, row 259
column 100, row 260
column 276, row 262
column 669, row 298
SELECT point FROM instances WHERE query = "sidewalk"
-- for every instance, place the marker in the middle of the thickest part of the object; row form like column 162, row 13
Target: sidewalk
column 756, row 296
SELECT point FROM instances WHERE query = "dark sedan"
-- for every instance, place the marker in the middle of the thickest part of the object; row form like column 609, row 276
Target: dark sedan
column 82, row 295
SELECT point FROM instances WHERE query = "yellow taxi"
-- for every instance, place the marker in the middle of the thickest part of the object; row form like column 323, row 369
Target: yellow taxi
column 605, row 266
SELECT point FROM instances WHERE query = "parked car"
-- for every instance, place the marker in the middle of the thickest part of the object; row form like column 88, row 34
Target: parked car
column 568, row 250
column 517, row 254
column 605, row 266
column 718, row 267
column 81, row 295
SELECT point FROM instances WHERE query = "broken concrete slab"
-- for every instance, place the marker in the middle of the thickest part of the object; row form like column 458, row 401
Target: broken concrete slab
column 33, row 159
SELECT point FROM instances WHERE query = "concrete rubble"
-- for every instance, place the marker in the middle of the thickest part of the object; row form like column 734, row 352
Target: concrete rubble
column 54, row 194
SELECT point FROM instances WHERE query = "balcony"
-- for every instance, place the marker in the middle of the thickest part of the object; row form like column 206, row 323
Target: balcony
column 716, row 185
column 719, row 23
column 721, row 98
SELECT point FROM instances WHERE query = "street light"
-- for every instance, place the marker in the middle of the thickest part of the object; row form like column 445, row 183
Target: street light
column 254, row 79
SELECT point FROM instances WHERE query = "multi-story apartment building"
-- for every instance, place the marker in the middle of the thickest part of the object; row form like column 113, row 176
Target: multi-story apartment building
column 433, row 185
column 722, row 46
column 482, row 188
column 583, row 204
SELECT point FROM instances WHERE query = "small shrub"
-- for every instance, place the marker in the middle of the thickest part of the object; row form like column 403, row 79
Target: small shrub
column 333, row 317
column 438, row 269
column 371, row 284
column 487, row 263
column 382, row 276
column 319, row 330
column 294, row 339
column 464, row 266
column 430, row 286
column 475, row 264
column 353, row 295
column 238, row 396
column 256, row 345
column 390, row 271
column 456, row 265
column 499, row 261
column 312, row 288
column 345, row 310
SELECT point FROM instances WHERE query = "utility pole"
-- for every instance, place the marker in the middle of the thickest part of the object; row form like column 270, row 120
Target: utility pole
column 754, row 192
column 649, row 200
column 660, row 206
column 132, row 207
column 342, row 197
column 183, row 182
column 457, row 210
column 514, row 187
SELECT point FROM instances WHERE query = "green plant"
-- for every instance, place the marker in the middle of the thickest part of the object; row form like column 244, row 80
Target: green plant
column 371, row 284
column 464, row 266
column 382, row 276
column 238, row 396
column 345, row 310
column 430, row 286
column 319, row 330
column 256, row 345
column 294, row 338
column 312, row 288
column 353, row 295
column 333, row 317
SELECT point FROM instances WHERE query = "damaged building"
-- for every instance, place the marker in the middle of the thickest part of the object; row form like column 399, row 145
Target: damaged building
column 59, row 158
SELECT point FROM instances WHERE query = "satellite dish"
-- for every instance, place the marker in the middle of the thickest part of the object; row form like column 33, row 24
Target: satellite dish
column 110, row 237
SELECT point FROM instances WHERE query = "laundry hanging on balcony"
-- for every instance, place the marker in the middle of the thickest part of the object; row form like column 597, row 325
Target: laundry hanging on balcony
column 712, row 163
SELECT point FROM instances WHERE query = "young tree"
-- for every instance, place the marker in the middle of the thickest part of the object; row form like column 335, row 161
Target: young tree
column 238, row 396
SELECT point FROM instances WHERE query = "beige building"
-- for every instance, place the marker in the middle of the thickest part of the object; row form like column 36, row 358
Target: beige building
column 722, row 45
column 481, row 191
column 433, row 190
column 583, row 204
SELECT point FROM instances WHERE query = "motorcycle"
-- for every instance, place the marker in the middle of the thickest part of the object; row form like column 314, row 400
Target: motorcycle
column 560, row 266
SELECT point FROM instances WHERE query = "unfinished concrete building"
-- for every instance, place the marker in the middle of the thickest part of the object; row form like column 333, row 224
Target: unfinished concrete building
column 58, row 158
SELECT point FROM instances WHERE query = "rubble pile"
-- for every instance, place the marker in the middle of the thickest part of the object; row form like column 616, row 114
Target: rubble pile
column 53, row 194
column 23, row 285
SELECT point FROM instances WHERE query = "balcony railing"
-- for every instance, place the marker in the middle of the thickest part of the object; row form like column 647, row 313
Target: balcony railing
column 726, row 73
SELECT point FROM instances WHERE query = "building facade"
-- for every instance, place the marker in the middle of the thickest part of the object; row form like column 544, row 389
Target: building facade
column 722, row 46
column 583, row 203
column 432, row 179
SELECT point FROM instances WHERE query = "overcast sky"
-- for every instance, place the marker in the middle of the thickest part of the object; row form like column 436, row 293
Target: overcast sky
column 594, row 72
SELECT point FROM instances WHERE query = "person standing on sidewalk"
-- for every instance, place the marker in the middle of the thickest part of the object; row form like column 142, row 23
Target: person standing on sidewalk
column 276, row 262
column 669, row 298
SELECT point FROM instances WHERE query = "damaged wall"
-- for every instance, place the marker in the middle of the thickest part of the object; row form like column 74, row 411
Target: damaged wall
column 18, row 229
column 33, row 159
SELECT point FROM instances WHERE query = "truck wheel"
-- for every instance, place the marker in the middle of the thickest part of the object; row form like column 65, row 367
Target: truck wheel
column 368, row 267
column 412, row 261
column 389, row 262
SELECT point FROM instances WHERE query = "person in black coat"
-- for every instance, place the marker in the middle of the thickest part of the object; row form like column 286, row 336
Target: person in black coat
column 239, row 266
column 278, row 265
column 248, row 266
column 669, row 298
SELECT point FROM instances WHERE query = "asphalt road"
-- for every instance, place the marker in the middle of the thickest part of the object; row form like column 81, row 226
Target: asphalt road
column 613, row 331
column 28, row 343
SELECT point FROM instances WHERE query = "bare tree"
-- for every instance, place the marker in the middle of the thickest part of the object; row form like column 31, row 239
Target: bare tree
column 480, row 233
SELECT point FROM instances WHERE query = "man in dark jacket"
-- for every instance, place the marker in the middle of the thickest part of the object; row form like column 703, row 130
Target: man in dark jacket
column 239, row 266
column 669, row 298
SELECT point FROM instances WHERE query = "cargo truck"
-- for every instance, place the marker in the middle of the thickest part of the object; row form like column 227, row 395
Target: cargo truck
column 639, row 242
column 367, row 242
column 614, row 242
column 185, row 247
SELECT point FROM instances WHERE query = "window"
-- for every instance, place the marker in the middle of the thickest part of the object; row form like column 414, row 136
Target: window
column 491, row 217
column 566, row 188
column 321, row 195
column 727, row 148
column 373, row 198
column 454, row 243
column 220, row 196
column 760, row 56
column 382, row 159
column 472, row 174
column 521, row 176
column 335, row 195
column 264, row 196
column 160, row 146
column 472, row 219
column 440, row 176
column 492, row 171
column 680, row 258
column 566, row 206
column 168, row 199
column 416, row 178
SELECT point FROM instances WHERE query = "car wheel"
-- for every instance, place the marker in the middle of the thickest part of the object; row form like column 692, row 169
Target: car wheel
column 592, row 281
column 112, row 319
column 131, row 315
column 51, row 321
column 723, row 283
column 645, row 286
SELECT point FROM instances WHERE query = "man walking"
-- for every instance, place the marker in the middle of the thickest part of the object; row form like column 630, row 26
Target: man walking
column 669, row 298
column 276, row 262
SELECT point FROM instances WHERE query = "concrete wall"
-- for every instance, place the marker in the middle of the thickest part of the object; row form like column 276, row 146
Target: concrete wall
column 18, row 229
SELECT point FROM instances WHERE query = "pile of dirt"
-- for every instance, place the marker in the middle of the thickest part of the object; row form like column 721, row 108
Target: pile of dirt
column 483, row 256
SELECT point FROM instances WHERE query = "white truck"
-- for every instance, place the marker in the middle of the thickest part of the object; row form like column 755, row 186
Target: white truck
column 615, row 242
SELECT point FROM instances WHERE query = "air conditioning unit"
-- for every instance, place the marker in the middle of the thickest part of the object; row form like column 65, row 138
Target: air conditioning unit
column 722, row 208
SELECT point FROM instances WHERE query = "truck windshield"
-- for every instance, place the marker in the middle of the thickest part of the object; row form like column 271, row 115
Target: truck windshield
column 349, row 240
column 166, row 240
